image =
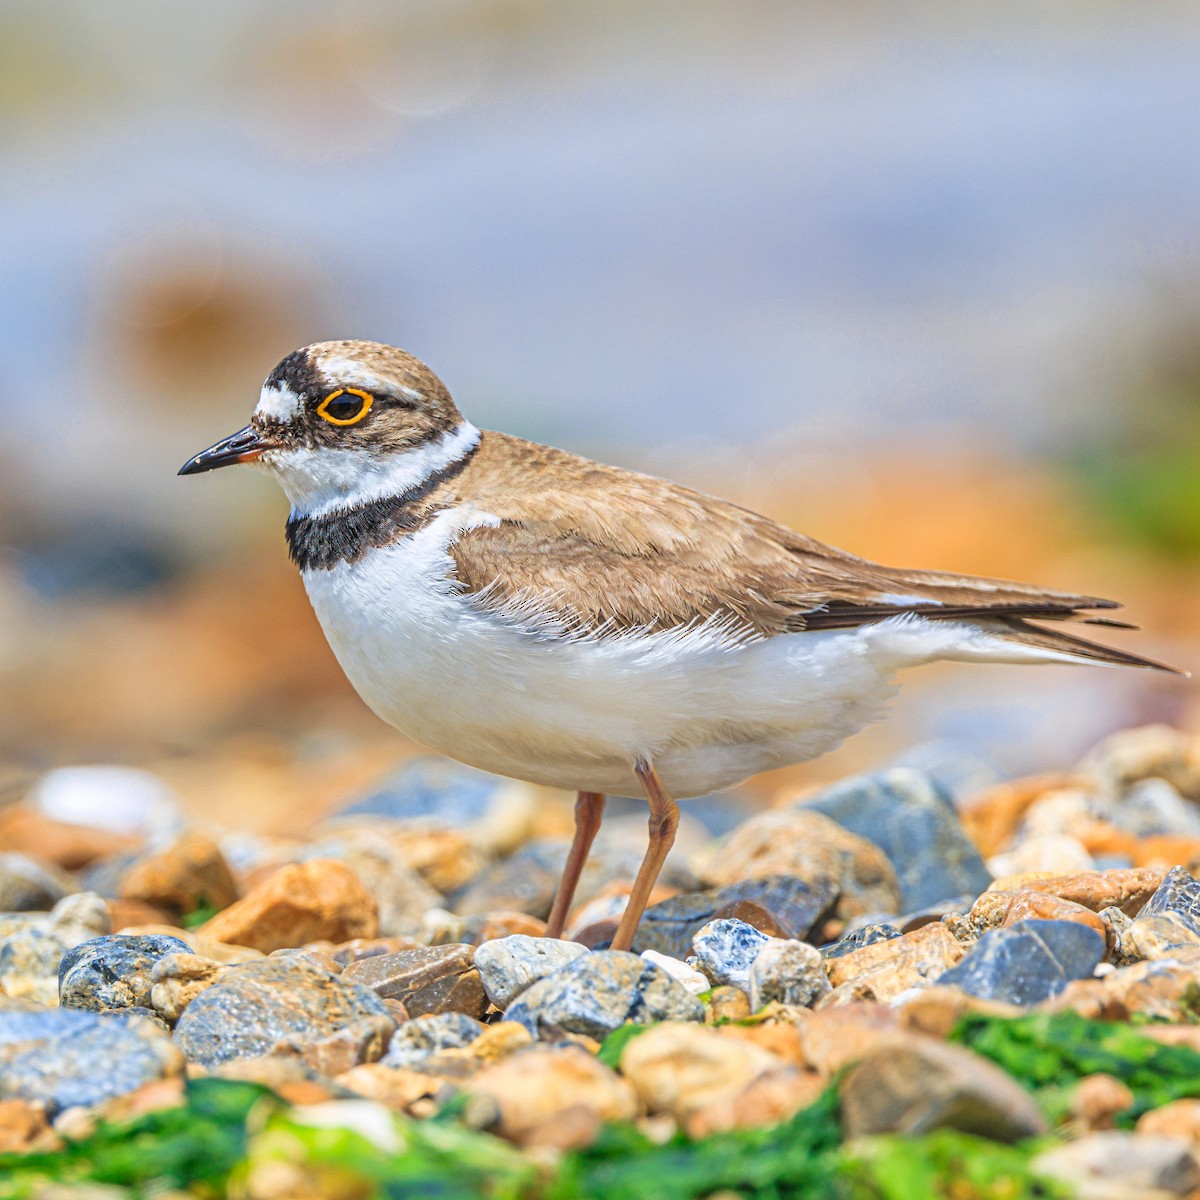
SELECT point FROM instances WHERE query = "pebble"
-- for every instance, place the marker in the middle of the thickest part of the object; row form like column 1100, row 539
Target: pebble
column 725, row 950
column 416, row 1040
column 1045, row 852
column 681, row 1069
column 1153, row 806
column 1098, row 1101
column 69, row 846
column 1127, row 889
column 114, row 971
column 904, row 813
column 525, row 882
column 885, row 969
column 600, row 991
column 917, row 1085
column 22, row 1123
column 1150, row 752
column 117, row 799
column 177, row 979
column 65, row 1058
column 807, row 845
column 431, row 979
column 831, row 1038
column 256, row 1007
column 1028, row 962
column 28, row 886
column 778, row 905
column 497, row 813
column 787, row 972
column 864, row 935
column 483, row 927
column 33, row 944
column 539, row 1095
column 1176, row 1119
column 691, row 979
column 1122, row 1166
column 314, row 901
column 1177, row 895
column 507, row 966
column 189, row 874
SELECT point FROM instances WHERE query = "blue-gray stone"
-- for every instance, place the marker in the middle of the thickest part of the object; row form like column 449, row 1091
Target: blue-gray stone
column 28, row 886
column 1027, row 962
column 1153, row 806
column 725, row 950
column 1178, row 894
column 866, row 935
column 65, row 1057
column 431, row 788
column 256, row 1006
column 954, row 767
column 114, row 971
column 795, row 905
column 913, row 822
column 600, row 992
column 417, row 1040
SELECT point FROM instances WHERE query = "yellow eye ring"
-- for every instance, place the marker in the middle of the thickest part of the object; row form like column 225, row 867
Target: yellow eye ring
column 324, row 413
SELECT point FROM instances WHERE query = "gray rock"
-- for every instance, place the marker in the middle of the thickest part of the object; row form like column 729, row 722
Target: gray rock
column 1027, row 962
column 918, row 1085
column 431, row 979
column 1122, row 1166
column 416, row 1040
column 787, row 972
column 29, row 961
column 1159, row 935
column 65, row 1058
column 954, row 767
column 913, row 822
column 27, row 886
column 601, row 991
column 261, row 1007
column 526, row 882
column 1153, row 806
column 113, row 971
column 1179, row 895
column 865, row 935
column 792, row 905
column 103, row 876
column 724, row 951
column 507, row 966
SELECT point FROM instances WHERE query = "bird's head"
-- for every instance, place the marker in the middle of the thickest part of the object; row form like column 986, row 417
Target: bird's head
column 342, row 422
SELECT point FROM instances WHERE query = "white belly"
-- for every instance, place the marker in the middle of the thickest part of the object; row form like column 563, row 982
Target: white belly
column 577, row 713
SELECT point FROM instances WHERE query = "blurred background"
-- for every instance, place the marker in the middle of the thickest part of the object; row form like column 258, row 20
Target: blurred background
column 922, row 280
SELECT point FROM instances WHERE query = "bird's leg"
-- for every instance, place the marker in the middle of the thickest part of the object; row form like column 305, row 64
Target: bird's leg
column 589, row 810
column 664, row 820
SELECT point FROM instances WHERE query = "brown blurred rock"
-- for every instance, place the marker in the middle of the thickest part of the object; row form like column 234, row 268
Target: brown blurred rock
column 936, row 1010
column 811, row 847
column 918, row 1085
column 432, row 979
column 58, row 842
column 499, row 1041
column 21, row 1124
column 833, row 1037
column 1116, row 1165
column 781, row 1038
column 1178, row 1119
column 991, row 817
column 188, row 875
column 767, row 1100
column 132, row 914
column 1151, row 752
column 883, row 970
column 393, row 1086
column 531, row 1090
column 1098, row 1100
column 364, row 1041
column 1168, row 850
column 1127, row 889
column 679, row 1069
column 300, row 903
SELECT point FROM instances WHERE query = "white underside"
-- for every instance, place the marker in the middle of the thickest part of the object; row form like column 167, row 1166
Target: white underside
column 508, row 694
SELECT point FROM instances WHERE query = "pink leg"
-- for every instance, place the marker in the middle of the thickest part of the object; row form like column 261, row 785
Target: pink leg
column 589, row 810
column 664, row 820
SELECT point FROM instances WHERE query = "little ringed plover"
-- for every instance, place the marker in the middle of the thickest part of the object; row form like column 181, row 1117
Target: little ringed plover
column 546, row 617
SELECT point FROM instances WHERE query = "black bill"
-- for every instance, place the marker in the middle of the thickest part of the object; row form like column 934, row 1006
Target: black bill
column 244, row 446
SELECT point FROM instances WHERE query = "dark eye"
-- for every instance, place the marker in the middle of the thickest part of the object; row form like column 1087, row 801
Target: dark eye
column 346, row 406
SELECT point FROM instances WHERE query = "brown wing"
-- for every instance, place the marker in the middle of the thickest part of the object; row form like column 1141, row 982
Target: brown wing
column 600, row 547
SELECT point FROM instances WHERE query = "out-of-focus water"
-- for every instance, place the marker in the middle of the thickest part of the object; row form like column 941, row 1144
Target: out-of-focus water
column 616, row 227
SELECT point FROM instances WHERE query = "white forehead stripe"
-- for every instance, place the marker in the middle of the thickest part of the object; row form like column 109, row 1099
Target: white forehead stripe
column 350, row 373
column 278, row 402
column 323, row 480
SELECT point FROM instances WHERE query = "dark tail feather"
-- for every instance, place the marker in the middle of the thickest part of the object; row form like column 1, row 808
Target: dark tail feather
column 1022, row 632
